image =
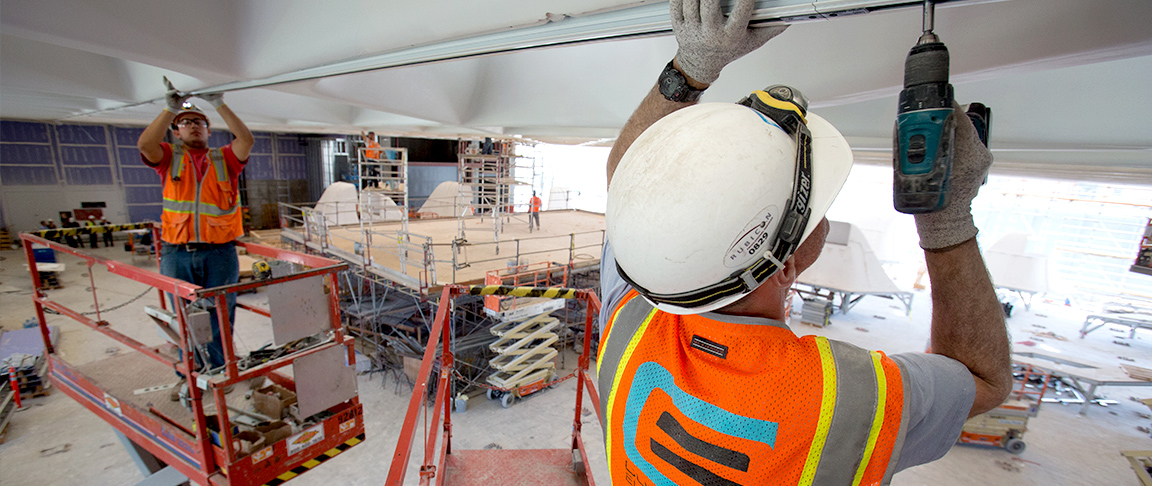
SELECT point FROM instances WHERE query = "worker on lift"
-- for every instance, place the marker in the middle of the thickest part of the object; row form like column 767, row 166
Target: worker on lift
column 701, row 380
column 201, row 218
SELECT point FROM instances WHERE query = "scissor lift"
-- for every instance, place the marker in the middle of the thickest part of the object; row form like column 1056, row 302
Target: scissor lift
column 1004, row 426
column 442, row 464
column 526, row 357
column 182, row 437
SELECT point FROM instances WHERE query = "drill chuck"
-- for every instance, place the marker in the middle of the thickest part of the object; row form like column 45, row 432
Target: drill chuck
column 927, row 63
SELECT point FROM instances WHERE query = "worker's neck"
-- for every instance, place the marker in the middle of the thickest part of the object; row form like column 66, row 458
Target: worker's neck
column 766, row 301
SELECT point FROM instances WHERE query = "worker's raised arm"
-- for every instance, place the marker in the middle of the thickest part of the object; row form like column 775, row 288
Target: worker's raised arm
column 242, row 144
column 654, row 107
column 707, row 41
column 150, row 138
column 967, row 319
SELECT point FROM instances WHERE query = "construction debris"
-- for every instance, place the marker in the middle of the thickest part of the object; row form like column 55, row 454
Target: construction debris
column 1049, row 334
column 1136, row 372
column 1008, row 466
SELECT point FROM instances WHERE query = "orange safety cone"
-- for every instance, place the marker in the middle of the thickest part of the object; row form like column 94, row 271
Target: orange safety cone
column 15, row 386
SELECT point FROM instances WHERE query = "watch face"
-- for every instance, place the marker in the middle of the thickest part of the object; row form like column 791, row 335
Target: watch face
column 672, row 86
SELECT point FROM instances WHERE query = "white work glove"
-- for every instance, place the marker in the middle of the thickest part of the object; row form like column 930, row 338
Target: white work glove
column 214, row 99
column 970, row 162
column 174, row 98
column 707, row 42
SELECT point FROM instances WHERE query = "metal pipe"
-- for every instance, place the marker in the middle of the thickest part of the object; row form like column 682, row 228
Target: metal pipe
column 648, row 20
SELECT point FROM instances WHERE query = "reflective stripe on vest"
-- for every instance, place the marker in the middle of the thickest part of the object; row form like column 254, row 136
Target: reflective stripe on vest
column 198, row 207
column 856, row 438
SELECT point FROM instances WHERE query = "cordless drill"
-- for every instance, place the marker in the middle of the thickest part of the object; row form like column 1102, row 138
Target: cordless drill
column 925, row 130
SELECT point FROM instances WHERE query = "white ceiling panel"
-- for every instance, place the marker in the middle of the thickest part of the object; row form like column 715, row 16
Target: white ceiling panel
column 1066, row 79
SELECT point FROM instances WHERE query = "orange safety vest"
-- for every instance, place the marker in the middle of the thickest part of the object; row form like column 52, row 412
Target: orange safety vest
column 690, row 400
column 200, row 211
column 534, row 204
column 372, row 154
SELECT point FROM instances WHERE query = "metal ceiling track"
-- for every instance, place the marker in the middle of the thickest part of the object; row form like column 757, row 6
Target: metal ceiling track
column 645, row 20
column 640, row 21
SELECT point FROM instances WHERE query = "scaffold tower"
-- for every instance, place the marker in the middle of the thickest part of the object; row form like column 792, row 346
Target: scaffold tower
column 488, row 175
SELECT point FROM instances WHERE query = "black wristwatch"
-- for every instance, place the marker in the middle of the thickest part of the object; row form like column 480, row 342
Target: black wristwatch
column 674, row 86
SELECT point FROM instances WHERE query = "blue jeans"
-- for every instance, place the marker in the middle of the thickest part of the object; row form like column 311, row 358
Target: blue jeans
column 207, row 268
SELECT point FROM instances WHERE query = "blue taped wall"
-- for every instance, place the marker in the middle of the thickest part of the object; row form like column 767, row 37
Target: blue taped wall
column 54, row 162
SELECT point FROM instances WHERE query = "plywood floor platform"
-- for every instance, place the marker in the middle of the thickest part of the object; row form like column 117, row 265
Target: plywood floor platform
column 564, row 235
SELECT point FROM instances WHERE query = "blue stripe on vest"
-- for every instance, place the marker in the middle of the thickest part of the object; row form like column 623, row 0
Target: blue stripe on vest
column 651, row 376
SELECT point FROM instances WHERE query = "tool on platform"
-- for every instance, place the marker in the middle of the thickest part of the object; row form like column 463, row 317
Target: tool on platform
column 925, row 131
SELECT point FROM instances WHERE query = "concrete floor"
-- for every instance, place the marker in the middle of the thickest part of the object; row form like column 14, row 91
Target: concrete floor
column 56, row 441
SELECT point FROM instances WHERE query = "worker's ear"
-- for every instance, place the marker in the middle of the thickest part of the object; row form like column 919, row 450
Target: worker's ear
column 784, row 278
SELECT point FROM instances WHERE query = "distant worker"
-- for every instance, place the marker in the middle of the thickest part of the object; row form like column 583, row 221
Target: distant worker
column 533, row 211
column 372, row 150
column 66, row 222
column 91, row 223
column 201, row 218
column 701, row 380
column 371, row 153
column 49, row 225
column 107, row 234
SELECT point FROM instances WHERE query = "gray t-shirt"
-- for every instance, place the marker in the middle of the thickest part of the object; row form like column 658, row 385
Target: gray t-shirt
column 939, row 390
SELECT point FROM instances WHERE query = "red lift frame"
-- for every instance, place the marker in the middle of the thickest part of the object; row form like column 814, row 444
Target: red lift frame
column 434, row 471
column 193, row 453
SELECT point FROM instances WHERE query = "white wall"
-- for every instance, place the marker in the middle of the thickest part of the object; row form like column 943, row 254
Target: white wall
column 26, row 206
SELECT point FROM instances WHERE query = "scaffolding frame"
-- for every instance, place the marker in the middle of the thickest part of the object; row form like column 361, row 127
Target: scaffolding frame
column 486, row 186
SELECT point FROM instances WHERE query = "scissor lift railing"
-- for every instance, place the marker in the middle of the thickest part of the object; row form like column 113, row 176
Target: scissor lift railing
column 194, row 452
column 569, row 464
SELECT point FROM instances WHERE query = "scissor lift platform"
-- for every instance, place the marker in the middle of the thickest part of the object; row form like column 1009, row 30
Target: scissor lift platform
column 523, row 466
column 130, row 390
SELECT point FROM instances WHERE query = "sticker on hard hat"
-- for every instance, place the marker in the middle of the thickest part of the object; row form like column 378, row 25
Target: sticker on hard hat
column 750, row 244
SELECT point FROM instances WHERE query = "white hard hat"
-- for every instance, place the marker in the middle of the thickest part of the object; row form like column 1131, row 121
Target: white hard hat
column 187, row 110
column 695, row 207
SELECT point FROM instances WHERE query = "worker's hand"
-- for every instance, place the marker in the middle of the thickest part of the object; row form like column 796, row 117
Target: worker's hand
column 174, row 98
column 970, row 162
column 214, row 99
column 708, row 42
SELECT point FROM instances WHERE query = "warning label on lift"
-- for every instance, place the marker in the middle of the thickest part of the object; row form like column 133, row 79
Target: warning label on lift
column 262, row 454
column 309, row 436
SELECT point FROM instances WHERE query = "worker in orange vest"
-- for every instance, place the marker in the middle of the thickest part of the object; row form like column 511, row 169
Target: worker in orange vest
column 701, row 381
column 533, row 211
column 372, row 146
column 372, row 153
column 201, row 217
